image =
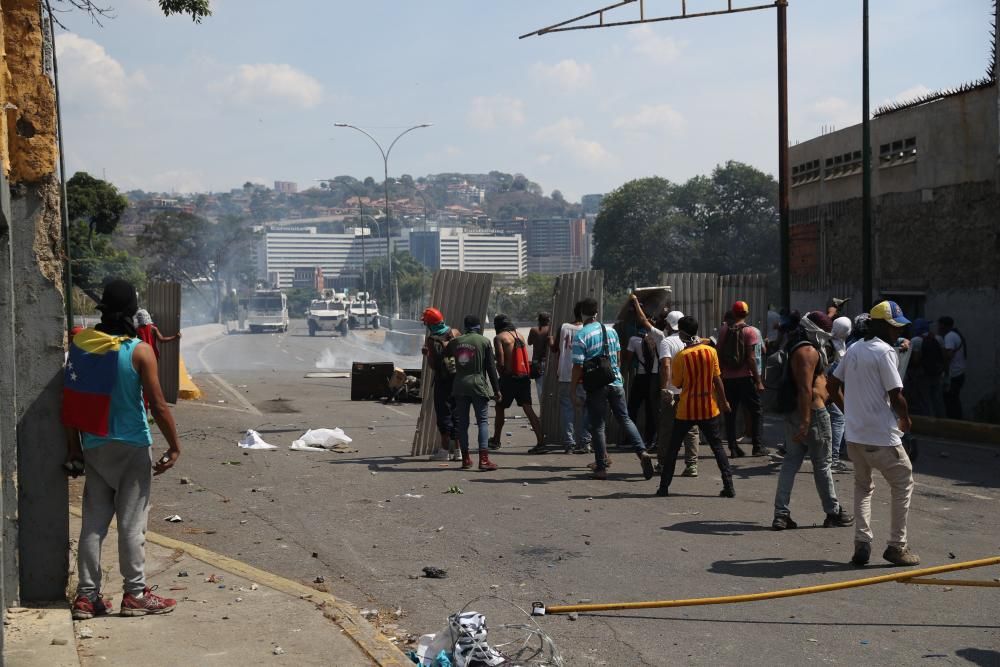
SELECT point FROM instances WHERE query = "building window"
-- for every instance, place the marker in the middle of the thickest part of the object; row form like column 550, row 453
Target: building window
column 845, row 164
column 807, row 172
column 901, row 151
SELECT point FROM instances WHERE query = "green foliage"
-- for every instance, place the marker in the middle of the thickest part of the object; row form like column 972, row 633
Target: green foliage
column 726, row 223
column 196, row 9
column 95, row 202
column 95, row 261
column 412, row 278
column 298, row 300
column 524, row 299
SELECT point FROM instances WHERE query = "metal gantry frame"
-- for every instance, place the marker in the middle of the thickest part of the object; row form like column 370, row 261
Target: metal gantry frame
column 602, row 18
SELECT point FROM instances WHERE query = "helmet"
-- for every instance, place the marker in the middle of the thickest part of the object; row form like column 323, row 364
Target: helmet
column 432, row 316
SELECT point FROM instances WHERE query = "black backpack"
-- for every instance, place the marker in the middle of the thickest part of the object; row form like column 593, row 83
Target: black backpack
column 733, row 352
column 779, row 389
column 597, row 371
column 439, row 357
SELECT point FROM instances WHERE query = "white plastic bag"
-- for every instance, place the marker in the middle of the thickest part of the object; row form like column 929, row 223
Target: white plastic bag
column 316, row 440
column 252, row 440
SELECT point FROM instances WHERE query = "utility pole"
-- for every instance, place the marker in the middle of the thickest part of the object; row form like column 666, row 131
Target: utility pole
column 867, row 282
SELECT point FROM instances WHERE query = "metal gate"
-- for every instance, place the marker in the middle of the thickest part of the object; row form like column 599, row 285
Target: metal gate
column 163, row 301
column 569, row 288
column 456, row 294
column 707, row 297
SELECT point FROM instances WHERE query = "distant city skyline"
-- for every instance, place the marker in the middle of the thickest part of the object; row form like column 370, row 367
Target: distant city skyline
column 164, row 105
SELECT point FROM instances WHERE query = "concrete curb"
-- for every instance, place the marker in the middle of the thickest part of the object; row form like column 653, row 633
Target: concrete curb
column 955, row 429
column 372, row 642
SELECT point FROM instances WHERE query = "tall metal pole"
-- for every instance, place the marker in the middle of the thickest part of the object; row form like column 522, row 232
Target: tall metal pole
column 364, row 262
column 867, row 283
column 388, row 233
column 783, row 171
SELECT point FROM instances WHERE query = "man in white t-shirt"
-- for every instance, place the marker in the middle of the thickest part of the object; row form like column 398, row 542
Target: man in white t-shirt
column 954, row 355
column 669, row 396
column 575, row 431
column 867, row 387
column 646, row 348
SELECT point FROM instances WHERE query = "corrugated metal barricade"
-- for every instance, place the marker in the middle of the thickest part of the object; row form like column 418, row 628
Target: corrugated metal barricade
column 163, row 301
column 456, row 294
column 569, row 288
column 749, row 287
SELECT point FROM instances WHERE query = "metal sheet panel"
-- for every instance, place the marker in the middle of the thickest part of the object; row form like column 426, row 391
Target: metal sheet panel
column 569, row 288
column 163, row 301
column 749, row 287
column 696, row 294
column 456, row 294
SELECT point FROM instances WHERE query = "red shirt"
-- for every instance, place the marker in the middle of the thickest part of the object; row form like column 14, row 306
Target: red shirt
column 147, row 334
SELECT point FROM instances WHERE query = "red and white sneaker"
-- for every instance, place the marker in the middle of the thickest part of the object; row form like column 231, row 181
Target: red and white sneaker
column 149, row 603
column 84, row 608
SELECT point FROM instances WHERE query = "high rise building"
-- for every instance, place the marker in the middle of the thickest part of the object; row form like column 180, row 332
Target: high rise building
column 479, row 252
column 337, row 256
column 286, row 187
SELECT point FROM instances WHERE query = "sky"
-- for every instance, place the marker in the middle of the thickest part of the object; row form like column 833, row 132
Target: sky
column 252, row 93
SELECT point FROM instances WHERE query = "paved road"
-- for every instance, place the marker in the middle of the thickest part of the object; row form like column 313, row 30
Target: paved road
column 538, row 529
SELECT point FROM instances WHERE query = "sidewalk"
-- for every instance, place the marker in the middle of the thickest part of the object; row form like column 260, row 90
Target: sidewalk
column 228, row 613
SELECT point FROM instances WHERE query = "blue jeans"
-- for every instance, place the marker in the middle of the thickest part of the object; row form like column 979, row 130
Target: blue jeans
column 575, row 426
column 817, row 444
column 598, row 401
column 481, row 405
column 837, row 425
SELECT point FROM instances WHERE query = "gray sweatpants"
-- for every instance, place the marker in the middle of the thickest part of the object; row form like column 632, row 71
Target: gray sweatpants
column 118, row 483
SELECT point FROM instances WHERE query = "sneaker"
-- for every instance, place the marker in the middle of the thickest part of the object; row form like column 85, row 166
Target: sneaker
column 646, row 461
column 440, row 455
column 840, row 520
column 901, row 556
column 494, row 443
column 783, row 523
column 759, row 450
column 537, row 449
column 600, row 473
column 839, row 468
column 736, row 452
column 727, row 492
column 663, row 492
column 690, row 470
column 581, row 450
column 149, row 603
column 862, row 553
column 454, row 456
column 84, row 608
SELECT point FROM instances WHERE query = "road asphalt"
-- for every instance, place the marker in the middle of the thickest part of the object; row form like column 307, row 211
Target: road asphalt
column 538, row 529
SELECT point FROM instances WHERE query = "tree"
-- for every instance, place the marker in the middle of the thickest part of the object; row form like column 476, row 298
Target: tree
column 208, row 257
column 723, row 223
column 196, row 9
column 411, row 277
column 94, row 207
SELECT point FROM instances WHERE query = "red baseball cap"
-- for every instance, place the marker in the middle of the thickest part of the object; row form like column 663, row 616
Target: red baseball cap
column 740, row 309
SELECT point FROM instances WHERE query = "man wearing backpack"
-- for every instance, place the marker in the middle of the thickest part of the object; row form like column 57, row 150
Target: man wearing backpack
column 926, row 371
column 475, row 384
column 595, row 363
column 439, row 334
column 646, row 348
column 807, row 422
column 954, row 355
column 515, row 380
column 703, row 396
column 741, row 376
column 867, row 386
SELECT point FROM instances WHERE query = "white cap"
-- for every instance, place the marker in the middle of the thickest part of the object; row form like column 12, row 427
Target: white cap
column 673, row 317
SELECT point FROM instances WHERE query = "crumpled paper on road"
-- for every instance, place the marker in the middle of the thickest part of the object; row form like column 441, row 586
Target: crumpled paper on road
column 252, row 440
column 323, row 439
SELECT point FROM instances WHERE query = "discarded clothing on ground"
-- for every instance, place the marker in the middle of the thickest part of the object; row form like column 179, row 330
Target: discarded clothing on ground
column 471, row 649
column 252, row 440
column 323, row 439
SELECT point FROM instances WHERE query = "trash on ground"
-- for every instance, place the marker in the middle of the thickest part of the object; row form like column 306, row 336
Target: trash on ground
column 369, row 613
column 252, row 440
column 182, row 573
column 59, row 641
column 174, row 518
column 214, row 578
column 573, row 616
column 439, row 529
column 185, row 480
column 278, row 651
column 319, row 580
column 321, row 439
column 454, row 489
column 86, row 633
column 231, row 463
column 413, row 495
column 435, row 572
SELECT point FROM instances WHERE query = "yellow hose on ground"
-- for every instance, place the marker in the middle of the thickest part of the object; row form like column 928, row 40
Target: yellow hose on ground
column 538, row 609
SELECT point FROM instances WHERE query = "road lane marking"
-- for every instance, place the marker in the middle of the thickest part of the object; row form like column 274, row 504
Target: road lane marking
column 399, row 412
column 225, row 386
column 345, row 615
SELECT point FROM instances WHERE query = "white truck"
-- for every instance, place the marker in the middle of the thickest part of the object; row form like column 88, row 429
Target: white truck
column 361, row 309
column 267, row 311
column 328, row 314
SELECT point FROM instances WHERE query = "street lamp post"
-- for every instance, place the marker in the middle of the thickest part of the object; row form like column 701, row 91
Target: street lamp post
column 385, row 163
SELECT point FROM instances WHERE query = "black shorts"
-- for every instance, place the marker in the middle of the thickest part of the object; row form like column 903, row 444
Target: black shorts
column 515, row 389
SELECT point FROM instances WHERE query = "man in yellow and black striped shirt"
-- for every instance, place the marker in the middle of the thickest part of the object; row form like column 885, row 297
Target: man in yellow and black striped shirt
column 703, row 398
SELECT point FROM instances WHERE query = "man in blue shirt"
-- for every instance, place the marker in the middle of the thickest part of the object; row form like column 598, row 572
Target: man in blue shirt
column 595, row 340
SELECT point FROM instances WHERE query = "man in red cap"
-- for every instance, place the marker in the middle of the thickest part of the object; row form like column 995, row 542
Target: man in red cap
column 439, row 334
column 738, row 345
